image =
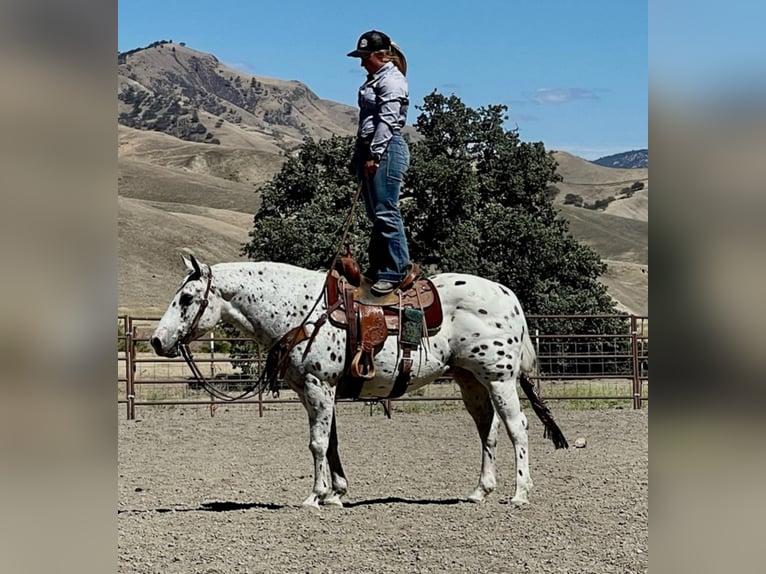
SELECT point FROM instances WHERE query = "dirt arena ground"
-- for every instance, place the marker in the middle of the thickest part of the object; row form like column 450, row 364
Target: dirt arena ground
column 221, row 495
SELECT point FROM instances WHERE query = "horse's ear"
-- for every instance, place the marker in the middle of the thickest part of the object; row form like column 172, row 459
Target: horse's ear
column 193, row 267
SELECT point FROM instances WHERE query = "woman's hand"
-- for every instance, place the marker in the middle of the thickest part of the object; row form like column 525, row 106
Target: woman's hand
column 370, row 167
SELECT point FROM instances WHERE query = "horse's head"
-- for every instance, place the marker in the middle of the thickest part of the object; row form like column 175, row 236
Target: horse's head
column 192, row 312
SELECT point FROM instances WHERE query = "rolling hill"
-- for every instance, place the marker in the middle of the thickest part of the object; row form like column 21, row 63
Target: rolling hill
column 182, row 190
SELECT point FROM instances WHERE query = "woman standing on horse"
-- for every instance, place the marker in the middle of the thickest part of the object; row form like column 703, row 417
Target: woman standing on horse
column 381, row 156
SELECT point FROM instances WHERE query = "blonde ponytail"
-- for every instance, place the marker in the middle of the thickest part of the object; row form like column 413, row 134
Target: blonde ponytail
column 397, row 57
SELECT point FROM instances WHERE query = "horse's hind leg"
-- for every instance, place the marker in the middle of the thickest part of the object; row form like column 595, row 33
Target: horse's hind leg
column 339, row 482
column 479, row 406
column 506, row 402
column 319, row 400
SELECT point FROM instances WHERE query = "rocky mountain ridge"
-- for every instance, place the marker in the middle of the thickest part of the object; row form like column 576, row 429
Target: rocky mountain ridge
column 633, row 159
column 171, row 88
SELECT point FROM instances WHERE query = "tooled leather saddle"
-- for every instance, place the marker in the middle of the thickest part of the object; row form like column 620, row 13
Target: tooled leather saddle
column 411, row 312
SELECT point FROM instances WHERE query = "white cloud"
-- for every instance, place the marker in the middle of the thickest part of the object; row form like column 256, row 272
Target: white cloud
column 563, row 95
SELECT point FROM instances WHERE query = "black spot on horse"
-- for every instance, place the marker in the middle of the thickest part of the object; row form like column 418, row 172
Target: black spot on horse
column 461, row 282
column 498, row 343
column 484, row 346
column 332, row 356
column 483, row 311
column 498, row 325
column 521, row 473
column 515, row 309
column 475, row 350
column 501, row 353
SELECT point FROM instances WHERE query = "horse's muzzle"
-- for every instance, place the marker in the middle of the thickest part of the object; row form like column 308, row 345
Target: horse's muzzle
column 156, row 344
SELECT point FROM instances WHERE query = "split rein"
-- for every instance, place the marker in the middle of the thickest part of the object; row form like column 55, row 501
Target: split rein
column 267, row 377
column 200, row 378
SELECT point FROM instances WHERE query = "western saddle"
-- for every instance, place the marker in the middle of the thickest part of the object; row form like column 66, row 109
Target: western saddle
column 412, row 312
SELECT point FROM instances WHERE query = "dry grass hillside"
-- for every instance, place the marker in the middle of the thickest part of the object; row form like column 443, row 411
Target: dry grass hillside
column 619, row 233
column 196, row 140
column 170, row 201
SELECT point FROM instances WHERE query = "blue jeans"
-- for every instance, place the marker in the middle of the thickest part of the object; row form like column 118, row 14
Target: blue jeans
column 387, row 251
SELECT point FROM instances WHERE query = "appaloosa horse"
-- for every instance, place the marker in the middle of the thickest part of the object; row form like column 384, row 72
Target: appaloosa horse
column 483, row 344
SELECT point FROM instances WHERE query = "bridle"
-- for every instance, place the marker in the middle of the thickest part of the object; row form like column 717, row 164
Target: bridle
column 183, row 347
column 279, row 353
column 201, row 311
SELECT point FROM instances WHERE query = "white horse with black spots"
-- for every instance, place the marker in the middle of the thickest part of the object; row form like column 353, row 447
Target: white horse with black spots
column 484, row 344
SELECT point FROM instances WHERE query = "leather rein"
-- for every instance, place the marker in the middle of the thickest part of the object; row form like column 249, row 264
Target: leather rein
column 267, row 377
column 186, row 353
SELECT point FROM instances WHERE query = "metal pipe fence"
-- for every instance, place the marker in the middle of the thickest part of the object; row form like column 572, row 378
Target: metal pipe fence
column 608, row 360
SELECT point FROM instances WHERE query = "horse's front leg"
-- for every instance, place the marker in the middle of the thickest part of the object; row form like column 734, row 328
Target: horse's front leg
column 319, row 401
column 339, row 482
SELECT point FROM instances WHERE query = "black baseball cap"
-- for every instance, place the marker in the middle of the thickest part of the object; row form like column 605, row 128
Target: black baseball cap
column 369, row 42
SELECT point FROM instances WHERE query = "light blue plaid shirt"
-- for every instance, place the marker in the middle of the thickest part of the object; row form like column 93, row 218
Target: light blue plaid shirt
column 383, row 103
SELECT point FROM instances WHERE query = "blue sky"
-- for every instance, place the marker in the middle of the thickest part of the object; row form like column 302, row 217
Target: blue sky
column 572, row 73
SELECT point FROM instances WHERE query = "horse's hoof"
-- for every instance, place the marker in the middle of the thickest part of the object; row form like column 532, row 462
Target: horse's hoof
column 333, row 501
column 311, row 502
column 477, row 497
column 519, row 502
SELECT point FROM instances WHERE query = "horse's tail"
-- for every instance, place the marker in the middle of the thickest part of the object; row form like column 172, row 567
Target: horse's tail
column 528, row 362
column 552, row 430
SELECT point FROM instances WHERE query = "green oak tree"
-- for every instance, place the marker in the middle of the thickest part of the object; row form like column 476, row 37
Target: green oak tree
column 476, row 199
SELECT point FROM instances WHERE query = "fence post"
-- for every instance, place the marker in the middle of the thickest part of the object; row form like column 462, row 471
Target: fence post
column 538, row 389
column 637, row 387
column 130, row 351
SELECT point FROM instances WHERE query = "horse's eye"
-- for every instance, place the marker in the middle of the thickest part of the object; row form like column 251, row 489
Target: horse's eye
column 185, row 300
